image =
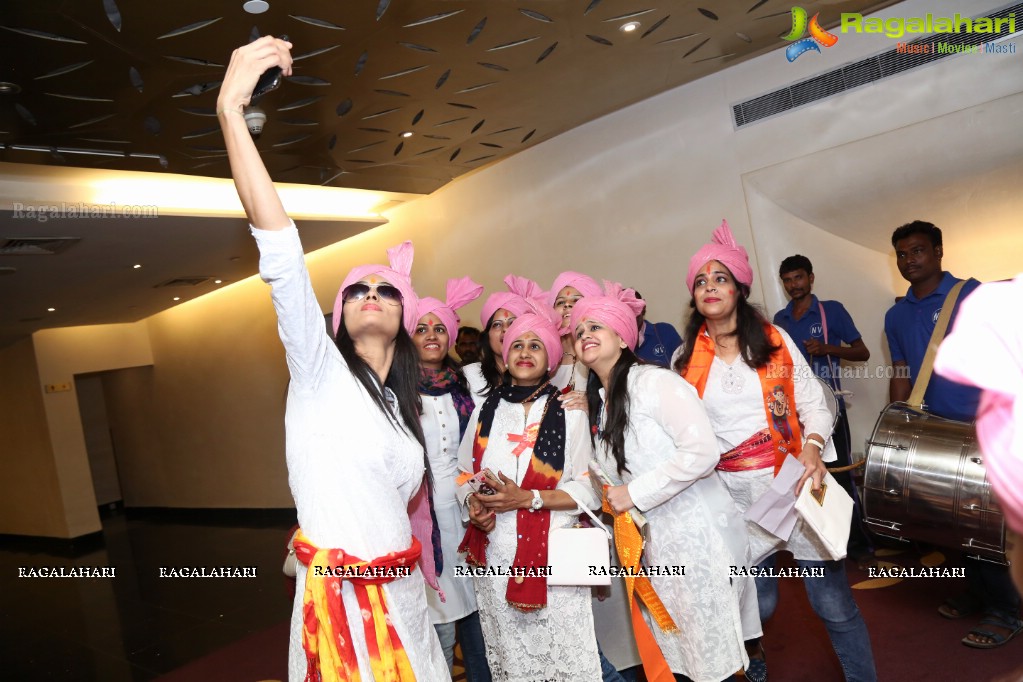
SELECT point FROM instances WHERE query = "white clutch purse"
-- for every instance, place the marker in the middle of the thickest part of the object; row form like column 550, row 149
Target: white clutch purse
column 828, row 513
column 580, row 556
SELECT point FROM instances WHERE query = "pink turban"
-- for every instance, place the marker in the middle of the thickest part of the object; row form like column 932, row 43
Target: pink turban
column 514, row 300
column 459, row 293
column 985, row 349
column 399, row 275
column 617, row 308
column 724, row 249
column 543, row 322
column 586, row 285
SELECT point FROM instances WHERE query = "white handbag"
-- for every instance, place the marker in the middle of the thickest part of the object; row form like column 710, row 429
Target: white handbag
column 827, row 513
column 580, row 556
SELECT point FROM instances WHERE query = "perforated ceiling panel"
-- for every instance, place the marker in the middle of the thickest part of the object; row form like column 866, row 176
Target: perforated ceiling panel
column 132, row 84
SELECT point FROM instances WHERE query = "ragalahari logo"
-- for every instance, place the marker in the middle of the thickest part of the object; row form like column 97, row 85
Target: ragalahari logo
column 818, row 36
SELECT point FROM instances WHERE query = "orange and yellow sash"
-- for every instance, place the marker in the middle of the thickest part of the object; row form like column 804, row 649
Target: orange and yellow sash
column 775, row 376
column 629, row 544
column 326, row 636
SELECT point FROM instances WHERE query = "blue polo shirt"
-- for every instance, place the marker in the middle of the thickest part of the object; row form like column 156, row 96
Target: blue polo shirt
column 810, row 326
column 659, row 343
column 908, row 325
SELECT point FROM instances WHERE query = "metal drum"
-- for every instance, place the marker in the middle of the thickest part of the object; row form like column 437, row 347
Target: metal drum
column 925, row 480
column 831, row 399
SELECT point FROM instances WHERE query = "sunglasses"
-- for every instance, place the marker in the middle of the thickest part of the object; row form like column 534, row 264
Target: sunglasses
column 359, row 291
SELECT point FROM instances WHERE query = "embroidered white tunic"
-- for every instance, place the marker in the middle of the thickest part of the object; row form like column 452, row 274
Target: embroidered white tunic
column 352, row 469
column 734, row 400
column 556, row 642
column 670, row 454
column 440, row 428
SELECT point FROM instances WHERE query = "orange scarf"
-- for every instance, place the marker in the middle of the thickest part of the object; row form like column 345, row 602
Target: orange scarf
column 775, row 382
column 629, row 544
column 326, row 637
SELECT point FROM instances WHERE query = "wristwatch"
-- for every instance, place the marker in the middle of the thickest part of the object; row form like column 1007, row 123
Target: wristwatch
column 537, row 503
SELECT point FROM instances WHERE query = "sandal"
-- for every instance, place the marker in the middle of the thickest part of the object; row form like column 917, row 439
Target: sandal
column 961, row 606
column 757, row 669
column 994, row 620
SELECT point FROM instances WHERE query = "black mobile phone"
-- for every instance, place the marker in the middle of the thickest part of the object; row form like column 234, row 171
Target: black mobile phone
column 269, row 81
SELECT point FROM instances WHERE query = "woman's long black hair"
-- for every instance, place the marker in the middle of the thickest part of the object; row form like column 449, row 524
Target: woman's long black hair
column 488, row 360
column 754, row 346
column 402, row 379
column 617, row 398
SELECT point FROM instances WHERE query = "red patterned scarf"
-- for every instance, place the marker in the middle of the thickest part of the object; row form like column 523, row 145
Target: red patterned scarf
column 775, row 382
column 545, row 468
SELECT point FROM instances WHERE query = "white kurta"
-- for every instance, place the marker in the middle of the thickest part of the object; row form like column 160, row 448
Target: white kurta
column 576, row 373
column 477, row 385
column 440, row 427
column 670, row 455
column 556, row 642
column 352, row 470
column 734, row 400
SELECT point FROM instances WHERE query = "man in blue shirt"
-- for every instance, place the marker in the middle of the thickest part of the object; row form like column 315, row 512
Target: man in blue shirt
column 908, row 325
column 820, row 328
column 657, row 340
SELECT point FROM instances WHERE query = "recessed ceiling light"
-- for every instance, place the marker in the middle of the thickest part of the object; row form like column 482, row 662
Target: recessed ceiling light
column 407, row 133
column 218, row 281
column 256, row 6
column 51, row 310
column 137, row 266
column 177, row 298
column 629, row 26
column 8, row 88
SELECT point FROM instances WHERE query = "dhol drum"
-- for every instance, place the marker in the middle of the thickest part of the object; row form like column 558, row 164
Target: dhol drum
column 925, row 480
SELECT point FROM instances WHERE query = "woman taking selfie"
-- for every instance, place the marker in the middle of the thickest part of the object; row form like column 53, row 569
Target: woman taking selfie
column 354, row 442
column 762, row 398
column 537, row 454
column 654, row 441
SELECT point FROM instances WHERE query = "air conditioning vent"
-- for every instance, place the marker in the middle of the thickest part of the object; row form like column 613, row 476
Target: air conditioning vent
column 36, row 246
column 869, row 70
column 183, row 282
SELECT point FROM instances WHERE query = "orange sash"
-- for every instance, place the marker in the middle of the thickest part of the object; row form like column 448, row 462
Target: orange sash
column 629, row 544
column 776, row 382
column 326, row 636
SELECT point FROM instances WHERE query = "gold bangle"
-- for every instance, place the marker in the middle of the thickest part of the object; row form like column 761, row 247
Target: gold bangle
column 237, row 111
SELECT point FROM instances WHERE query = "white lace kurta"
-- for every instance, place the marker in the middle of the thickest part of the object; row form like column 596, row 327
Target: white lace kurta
column 352, row 470
column 556, row 642
column 440, row 427
column 670, row 454
column 734, row 400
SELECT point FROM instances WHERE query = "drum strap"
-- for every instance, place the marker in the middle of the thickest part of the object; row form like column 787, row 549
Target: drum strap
column 832, row 379
column 916, row 398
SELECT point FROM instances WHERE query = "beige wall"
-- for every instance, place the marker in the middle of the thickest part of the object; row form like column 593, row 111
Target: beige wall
column 30, row 499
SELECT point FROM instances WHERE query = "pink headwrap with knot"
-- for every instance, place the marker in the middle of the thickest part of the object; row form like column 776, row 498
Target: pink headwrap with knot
column 586, row 285
column 520, row 289
column 459, row 293
column 616, row 307
column 543, row 322
column 724, row 249
column 985, row 349
column 399, row 275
